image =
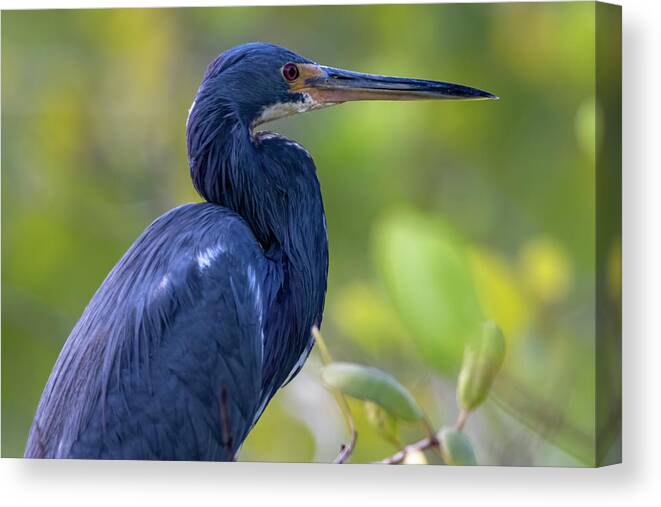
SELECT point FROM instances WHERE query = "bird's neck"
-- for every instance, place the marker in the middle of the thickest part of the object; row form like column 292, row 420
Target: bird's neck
column 268, row 180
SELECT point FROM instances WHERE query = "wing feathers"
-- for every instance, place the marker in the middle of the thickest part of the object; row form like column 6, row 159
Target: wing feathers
column 177, row 323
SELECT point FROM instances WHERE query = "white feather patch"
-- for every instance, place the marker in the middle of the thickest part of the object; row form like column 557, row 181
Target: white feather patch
column 283, row 109
column 204, row 259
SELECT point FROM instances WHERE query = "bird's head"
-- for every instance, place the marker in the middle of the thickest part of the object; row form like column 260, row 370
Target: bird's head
column 263, row 82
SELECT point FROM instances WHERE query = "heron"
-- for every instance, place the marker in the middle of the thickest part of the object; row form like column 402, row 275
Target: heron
column 210, row 311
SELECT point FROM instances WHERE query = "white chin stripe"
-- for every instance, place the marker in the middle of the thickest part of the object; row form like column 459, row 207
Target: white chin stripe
column 282, row 109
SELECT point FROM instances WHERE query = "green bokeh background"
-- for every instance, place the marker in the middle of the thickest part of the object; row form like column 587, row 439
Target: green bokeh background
column 94, row 105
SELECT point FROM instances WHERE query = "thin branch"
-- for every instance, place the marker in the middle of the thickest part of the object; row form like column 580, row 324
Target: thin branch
column 430, row 442
column 326, row 358
column 461, row 419
column 346, row 449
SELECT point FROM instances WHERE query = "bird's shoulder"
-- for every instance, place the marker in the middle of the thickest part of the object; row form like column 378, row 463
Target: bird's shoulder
column 196, row 225
column 200, row 241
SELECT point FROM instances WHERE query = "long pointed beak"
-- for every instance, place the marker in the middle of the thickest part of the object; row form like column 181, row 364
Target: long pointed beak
column 330, row 85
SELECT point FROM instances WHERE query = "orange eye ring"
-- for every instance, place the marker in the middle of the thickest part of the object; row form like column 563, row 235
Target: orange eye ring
column 290, row 72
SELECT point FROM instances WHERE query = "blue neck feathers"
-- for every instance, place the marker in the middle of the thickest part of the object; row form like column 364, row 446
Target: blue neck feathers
column 271, row 182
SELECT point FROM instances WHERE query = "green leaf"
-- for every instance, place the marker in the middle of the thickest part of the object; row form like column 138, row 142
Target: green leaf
column 482, row 361
column 382, row 421
column 428, row 278
column 456, row 449
column 374, row 385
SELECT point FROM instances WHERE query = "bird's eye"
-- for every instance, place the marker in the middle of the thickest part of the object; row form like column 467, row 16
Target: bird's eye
column 290, row 71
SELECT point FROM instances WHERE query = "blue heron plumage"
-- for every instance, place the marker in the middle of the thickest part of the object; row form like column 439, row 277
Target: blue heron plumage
column 209, row 312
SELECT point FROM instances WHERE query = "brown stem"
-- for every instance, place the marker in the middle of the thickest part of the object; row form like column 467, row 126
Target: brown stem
column 346, row 449
column 430, row 442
